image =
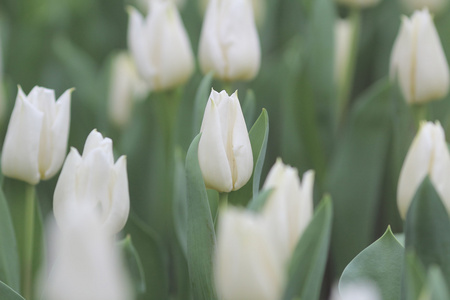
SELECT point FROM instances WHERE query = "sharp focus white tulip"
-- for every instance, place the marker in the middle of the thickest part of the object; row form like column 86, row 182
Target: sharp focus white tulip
column 224, row 152
column 289, row 208
column 160, row 46
column 359, row 3
column 428, row 155
column 247, row 266
column 83, row 261
column 125, row 87
column 435, row 6
column 36, row 140
column 343, row 40
column 229, row 42
column 418, row 61
column 93, row 179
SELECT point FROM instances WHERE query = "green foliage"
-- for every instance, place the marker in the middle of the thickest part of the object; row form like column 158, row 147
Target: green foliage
column 134, row 265
column 7, row 293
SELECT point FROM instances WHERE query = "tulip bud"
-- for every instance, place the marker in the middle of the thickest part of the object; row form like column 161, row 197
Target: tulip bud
column 229, row 42
column 160, row 46
column 289, row 208
column 435, row 6
column 125, row 87
column 83, row 261
column 418, row 61
column 36, row 139
column 93, row 179
column 359, row 3
column 224, row 151
column 246, row 264
column 343, row 40
column 428, row 155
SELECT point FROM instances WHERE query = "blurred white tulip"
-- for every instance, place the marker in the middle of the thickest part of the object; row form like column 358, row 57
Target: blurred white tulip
column 36, row 140
column 246, row 263
column 160, row 46
column 435, row 6
column 259, row 10
column 427, row 155
column 224, row 151
column 289, row 207
column 359, row 3
column 93, row 179
column 358, row 290
column 84, row 263
column 125, row 87
column 418, row 61
column 342, row 47
column 229, row 42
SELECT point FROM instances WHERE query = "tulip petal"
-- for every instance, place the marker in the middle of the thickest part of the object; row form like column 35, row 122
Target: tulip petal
column 95, row 141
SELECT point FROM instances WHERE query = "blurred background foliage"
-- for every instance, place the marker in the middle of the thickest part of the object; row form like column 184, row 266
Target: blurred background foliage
column 61, row 44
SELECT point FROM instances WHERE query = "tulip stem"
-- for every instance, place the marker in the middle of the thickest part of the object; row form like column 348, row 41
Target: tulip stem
column 223, row 200
column 28, row 249
column 420, row 112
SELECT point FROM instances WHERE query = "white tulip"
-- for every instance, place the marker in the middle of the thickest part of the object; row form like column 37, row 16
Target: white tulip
column 224, row 151
column 359, row 3
column 229, row 42
column 357, row 290
column 246, row 264
column 125, row 87
column 160, row 46
column 435, row 6
column 418, row 61
column 36, row 139
column 289, row 207
column 93, row 179
column 428, row 155
column 84, row 263
column 343, row 43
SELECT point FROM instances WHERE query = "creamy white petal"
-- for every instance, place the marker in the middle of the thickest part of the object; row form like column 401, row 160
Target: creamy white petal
column 94, row 141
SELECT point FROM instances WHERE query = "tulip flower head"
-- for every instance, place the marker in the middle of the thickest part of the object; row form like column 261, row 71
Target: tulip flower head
column 357, row 290
column 93, row 179
column 36, row 139
column 418, row 61
column 224, row 151
column 289, row 208
column 229, row 42
column 246, row 264
column 160, row 46
column 428, row 155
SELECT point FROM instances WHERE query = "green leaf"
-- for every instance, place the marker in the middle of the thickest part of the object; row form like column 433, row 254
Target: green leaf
column 258, row 202
column 148, row 248
column 355, row 175
column 259, row 134
column 9, row 259
column 201, row 237
column 213, row 199
column 436, row 284
column 427, row 229
column 308, row 261
column 7, row 293
column 134, row 264
column 413, row 277
column 180, row 202
column 248, row 107
column 382, row 263
column 201, row 98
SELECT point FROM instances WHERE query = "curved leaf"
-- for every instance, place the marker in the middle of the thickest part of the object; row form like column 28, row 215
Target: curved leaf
column 134, row 264
column 201, row 98
column 7, row 293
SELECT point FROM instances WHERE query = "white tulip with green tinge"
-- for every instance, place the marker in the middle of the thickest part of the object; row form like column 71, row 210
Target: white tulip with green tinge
column 36, row 139
column 418, row 61
column 428, row 155
column 93, row 179
column 160, row 46
column 224, row 151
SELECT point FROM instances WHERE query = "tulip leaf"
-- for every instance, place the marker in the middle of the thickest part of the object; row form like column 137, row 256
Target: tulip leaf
column 201, row 237
column 308, row 261
column 259, row 135
column 257, row 203
column 201, row 98
column 413, row 277
column 427, row 229
column 355, row 176
column 7, row 293
column 148, row 248
column 382, row 263
column 436, row 288
column 134, row 264
column 248, row 107
column 9, row 259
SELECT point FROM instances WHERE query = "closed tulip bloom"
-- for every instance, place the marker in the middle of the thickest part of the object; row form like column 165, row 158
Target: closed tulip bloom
column 160, row 46
column 289, row 208
column 418, row 61
column 224, row 151
column 428, row 155
column 435, row 6
column 229, row 42
column 359, row 3
column 93, row 179
column 36, row 139
column 357, row 290
column 246, row 264
column 84, row 261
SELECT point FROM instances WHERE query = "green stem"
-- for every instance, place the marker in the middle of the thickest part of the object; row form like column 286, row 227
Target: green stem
column 223, row 200
column 420, row 112
column 347, row 84
column 27, row 267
